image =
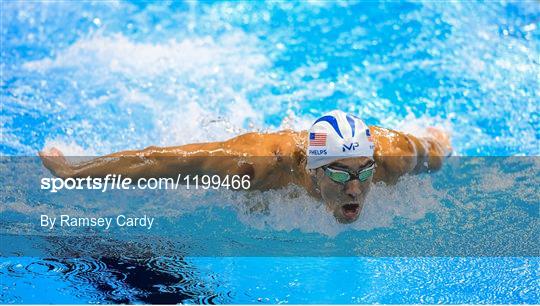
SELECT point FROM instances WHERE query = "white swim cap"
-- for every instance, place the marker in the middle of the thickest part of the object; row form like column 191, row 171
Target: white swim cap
column 337, row 135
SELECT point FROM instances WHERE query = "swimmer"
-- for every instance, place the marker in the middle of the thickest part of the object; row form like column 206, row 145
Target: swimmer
column 336, row 161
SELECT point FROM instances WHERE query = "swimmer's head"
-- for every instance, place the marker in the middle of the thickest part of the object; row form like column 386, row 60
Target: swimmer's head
column 340, row 159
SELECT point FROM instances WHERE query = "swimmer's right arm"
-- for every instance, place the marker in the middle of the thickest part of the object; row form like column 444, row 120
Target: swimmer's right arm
column 399, row 153
column 190, row 159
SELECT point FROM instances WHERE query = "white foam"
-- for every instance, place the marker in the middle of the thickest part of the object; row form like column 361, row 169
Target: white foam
column 68, row 147
column 293, row 209
column 196, row 89
column 204, row 55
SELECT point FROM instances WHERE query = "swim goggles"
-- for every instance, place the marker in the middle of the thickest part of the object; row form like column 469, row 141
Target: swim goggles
column 342, row 176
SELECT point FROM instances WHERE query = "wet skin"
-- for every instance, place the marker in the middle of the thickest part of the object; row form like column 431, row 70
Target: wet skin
column 272, row 160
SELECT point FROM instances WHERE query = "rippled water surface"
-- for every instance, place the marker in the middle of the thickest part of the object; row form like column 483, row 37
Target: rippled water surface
column 96, row 77
column 286, row 280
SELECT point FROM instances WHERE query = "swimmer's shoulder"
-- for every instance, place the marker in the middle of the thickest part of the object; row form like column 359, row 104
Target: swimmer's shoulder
column 390, row 142
column 290, row 147
column 292, row 144
column 277, row 157
column 395, row 154
column 287, row 146
column 284, row 142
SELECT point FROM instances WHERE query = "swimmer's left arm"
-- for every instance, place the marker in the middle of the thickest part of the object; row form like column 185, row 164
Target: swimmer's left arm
column 253, row 154
column 398, row 153
column 152, row 162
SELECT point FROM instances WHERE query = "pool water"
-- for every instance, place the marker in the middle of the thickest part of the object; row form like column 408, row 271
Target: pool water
column 92, row 78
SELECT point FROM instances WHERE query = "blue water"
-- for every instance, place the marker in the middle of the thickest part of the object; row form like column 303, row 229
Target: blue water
column 96, row 77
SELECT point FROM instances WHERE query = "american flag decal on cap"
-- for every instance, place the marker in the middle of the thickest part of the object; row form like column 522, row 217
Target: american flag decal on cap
column 317, row 139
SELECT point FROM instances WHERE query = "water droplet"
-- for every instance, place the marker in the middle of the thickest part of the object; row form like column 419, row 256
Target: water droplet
column 530, row 27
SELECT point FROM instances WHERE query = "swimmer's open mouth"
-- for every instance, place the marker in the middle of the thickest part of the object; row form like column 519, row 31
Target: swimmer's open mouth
column 350, row 211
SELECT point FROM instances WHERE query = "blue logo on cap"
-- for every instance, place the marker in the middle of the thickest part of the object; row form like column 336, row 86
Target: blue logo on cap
column 334, row 124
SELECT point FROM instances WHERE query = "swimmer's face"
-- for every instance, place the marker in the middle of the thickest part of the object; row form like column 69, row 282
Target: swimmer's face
column 344, row 200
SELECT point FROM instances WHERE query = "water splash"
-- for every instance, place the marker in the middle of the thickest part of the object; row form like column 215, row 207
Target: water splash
column 229, row 63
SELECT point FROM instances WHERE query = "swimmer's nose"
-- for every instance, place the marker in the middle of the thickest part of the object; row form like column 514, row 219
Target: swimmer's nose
column 352, row 189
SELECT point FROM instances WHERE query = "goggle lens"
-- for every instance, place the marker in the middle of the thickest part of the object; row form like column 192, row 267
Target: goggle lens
column 364, row 175
column 338, row 176
column 341, row 176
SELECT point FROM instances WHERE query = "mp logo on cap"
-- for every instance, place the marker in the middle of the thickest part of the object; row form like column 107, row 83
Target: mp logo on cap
column 351, row 147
